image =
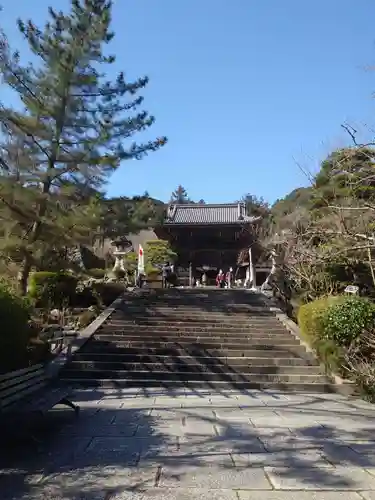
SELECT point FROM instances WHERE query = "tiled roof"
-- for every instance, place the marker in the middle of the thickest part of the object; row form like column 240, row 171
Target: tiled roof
column 226, row 213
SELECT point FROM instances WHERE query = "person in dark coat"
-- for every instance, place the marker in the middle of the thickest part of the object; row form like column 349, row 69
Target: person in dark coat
column 166, row 271
column 140, row 280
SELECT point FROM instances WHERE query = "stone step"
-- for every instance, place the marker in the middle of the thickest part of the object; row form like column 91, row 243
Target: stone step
column 224, row 303
column 254, row 351
column 199, row 321
column 180, row 365
column 202, row 342
column 231, row 361
column 292, row 346
column 156, row 334
column 205, row 318
column 217, row 340
column 181, row 327
column 217, row 302
column 191, row 336
column 195, row 375
column 199, row 309
column 217, row 385
column 196, row 308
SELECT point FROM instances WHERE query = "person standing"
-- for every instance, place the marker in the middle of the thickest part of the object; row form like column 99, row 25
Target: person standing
column 204, row 279
column 220, row 279
column 229, row 278
column 166, row 271
column 140, row 280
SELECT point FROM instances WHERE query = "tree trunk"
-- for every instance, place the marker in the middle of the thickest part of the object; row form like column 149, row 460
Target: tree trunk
column 369, row 256
column 24, row 274
column 27, row 258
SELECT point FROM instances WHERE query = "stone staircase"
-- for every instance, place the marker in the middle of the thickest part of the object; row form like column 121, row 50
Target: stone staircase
column 199, row 339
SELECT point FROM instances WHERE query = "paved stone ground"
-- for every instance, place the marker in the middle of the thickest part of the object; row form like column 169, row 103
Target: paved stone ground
column 160, row 445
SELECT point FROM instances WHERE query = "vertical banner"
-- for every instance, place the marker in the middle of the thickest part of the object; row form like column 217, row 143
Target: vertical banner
column 141, row 260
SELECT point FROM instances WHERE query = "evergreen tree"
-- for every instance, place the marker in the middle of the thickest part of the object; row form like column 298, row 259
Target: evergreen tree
column 180, row 196
column 122, row 216
column 256, row 206
column 71, row 130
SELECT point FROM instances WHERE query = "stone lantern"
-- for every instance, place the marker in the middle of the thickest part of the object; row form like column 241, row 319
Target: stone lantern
column 123, row 246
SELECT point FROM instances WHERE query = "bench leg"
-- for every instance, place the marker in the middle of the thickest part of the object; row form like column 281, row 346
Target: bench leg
column 67, row 402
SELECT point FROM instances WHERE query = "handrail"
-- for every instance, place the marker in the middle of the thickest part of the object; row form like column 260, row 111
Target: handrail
column 59, row 343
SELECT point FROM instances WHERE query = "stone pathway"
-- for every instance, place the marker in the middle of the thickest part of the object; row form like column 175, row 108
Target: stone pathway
column 160, row 445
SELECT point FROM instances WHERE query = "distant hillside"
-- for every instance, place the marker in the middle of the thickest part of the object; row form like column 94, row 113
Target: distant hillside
column 299, row 197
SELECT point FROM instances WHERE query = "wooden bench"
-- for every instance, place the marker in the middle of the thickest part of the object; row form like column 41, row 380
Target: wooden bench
column 30, row 392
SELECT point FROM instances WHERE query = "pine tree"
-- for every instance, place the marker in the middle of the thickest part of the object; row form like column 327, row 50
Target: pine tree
column 180, row 195
column 122, row 216
column 72, row 129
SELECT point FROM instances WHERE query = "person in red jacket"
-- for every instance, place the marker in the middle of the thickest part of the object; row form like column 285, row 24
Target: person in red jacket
column 220, row 279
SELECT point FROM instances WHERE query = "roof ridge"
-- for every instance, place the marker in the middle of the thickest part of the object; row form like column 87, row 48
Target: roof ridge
column 212, row 213
column 204, row 205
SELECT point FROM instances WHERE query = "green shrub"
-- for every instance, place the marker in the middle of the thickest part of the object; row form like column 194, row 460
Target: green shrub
column 346, row 320
column 39, row 351
column 331, row 324
column 311, row 317
column 85, row 297
column 14, row 331
column 96, row 273
column 108, row 292
column 158, row 252
column 331, row 355
column 86, row 318
column 311, row 320
column 50, row 289
column 119, row 273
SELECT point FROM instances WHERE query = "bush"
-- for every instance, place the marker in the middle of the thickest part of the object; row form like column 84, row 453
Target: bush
column 14, row 331
column 50, row 289
column 345, row 321
column 158, row 252
column 120, row 274
column 108, row 292
column 360, row 364
column 86, row 318
column 363, row 374
column 39, row 351
column 96, row 273
column 311, row 317
column 85, row 297
column 311, row 320
column 331, row 355
column 332, row 324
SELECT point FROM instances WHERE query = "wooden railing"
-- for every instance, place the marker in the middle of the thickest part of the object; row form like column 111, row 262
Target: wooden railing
column 57, row 344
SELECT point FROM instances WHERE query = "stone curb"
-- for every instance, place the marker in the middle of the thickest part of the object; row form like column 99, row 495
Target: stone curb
column 346, row 387
column 55, row 366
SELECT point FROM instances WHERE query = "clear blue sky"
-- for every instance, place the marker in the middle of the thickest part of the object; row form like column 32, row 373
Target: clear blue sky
column 244, row 90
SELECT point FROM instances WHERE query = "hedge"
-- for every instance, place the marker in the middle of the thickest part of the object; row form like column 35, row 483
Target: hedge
column 346, row 320
column 107, row 292
column 330, row 324
column 14, row 330
column 51, row 289
column 96, row 273
column 311, row 316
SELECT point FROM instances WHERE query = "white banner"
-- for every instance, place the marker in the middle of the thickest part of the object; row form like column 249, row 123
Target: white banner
column 141, row 260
